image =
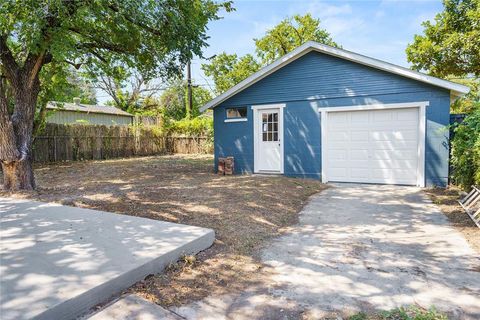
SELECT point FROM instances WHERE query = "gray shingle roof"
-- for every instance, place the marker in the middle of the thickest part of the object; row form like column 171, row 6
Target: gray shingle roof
column 88, row 108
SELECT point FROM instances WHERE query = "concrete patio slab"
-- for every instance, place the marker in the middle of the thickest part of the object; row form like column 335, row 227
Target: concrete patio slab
column 56, row 262
column 133, row 307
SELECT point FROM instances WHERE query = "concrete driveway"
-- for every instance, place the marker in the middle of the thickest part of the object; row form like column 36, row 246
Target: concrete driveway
column 360, row 247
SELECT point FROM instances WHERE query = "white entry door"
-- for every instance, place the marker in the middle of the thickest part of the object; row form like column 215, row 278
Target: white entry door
column 373, row 146
column 268, row 151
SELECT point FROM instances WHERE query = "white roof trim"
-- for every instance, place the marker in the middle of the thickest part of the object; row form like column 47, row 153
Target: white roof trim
column 457, row 89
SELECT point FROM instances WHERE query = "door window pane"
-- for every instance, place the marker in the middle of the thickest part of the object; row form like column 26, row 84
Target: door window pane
column 269, row 126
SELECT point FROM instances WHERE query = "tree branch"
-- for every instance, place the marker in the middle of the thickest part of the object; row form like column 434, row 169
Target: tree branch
column 34, row 64
column 9, row 64
column 98, row 44
column 140, row 24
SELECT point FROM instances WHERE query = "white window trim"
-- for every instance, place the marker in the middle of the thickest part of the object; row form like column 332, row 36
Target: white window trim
column 376, row 106
column 422, row 120
column 269, row 106
column 235, row 120
column 256, row 139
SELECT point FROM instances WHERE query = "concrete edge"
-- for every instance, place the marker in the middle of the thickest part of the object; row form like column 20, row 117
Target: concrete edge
column 82, row 305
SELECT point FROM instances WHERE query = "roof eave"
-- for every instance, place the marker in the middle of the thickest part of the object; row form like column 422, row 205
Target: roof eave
column 455, row 88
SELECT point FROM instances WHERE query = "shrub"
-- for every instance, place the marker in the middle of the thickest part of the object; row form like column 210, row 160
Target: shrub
column 465, row 151
column 200, row 126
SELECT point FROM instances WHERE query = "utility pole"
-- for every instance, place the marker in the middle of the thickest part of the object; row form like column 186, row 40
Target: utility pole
column 189, row 105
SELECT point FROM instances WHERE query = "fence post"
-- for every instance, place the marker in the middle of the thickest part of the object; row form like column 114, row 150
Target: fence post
column 54, row 148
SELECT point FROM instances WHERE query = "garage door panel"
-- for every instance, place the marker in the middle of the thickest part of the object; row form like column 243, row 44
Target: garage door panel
column 359, row 154
column 359, row 117
column 377, row 146
column 394, row 164
column 397, row 135
column 338, row 173
column 339, row 136
column 407, row 115
column 360, row 135
column 338, row 154
column 339, row 118
column 406, row 154
column 359, row 163
column 394, row 174
column 359, row 173
column 381, row 115
column 392, row 145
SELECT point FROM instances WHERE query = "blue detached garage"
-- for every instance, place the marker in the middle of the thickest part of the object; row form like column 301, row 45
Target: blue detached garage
column 323, row 112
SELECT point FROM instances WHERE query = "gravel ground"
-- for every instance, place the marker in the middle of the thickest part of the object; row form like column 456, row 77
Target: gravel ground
column 245, row 211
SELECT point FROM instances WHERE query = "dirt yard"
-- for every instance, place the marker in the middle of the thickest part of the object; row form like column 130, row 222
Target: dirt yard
column 446, row 200
column 244, row 211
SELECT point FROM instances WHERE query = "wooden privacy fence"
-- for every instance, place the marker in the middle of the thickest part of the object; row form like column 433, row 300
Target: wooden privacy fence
column 86, row 142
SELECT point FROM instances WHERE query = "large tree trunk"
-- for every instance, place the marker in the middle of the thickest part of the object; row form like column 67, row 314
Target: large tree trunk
column 16, row 137
column 18, row 175
column 16, row 128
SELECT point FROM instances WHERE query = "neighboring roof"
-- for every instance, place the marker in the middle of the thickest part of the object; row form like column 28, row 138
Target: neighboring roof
column 455, row 88
column 87, row 108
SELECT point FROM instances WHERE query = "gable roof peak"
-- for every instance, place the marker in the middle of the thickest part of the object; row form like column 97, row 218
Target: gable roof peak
column 455, row 88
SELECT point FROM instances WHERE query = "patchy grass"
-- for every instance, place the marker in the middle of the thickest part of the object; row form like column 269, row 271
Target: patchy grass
column 245, row 211
column 404, row 313
column 446, row 200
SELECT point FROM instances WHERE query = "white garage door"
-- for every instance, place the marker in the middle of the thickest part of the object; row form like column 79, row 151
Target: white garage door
column 373, row 146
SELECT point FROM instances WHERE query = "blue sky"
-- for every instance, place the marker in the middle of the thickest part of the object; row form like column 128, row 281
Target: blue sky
column 380, row 29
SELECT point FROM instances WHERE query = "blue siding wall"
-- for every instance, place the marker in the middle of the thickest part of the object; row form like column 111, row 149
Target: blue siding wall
column 319, row 80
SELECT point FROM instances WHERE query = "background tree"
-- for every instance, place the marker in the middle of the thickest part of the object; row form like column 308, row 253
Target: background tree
column 450, row 44
column 62, row 83
column 227, row 70
column 471, row 101
column 126, row 90
column 171, row 103
column 450, row 48
column 288, row 35
column 152, row 36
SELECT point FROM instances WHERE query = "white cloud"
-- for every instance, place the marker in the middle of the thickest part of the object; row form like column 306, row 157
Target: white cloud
column 336, row 19
column 323, row 10
column 337, row 26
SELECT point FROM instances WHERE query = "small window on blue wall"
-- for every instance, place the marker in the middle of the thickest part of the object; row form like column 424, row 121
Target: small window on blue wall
column 237, row 113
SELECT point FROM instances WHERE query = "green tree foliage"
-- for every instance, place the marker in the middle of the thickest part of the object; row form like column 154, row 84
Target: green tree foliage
column 127, row 88
column 466, row 151
column 289, row 34
column 450, row 44
column 171, row 103
column 227, row 70
column 62, row 83
column 195, row 127
column 471, row 101
column 450, row 48
column 154, row 37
